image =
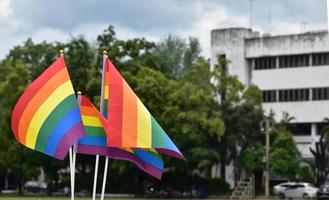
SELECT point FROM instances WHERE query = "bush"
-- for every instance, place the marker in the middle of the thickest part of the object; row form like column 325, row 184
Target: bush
column 218, row 186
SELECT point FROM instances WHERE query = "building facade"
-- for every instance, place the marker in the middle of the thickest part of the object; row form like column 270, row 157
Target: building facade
column 292, row 72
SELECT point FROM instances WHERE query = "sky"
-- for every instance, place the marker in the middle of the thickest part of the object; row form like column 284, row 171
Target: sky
column 59, row 20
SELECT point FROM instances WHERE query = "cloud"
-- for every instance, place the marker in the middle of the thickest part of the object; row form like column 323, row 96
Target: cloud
column 153, row 19
column 5, row 9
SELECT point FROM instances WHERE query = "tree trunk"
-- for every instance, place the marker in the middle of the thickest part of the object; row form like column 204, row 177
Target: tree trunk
column 223, row 169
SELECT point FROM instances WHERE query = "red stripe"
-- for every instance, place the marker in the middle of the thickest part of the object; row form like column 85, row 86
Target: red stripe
column 32, row 89
column 114, row 128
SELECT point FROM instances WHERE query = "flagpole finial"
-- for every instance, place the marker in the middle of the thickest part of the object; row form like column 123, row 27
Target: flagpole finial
column 104, row 53
column 61, row 52
column 79, row 92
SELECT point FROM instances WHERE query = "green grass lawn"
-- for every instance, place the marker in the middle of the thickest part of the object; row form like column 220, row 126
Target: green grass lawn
column 38, row 198
column 53, row 198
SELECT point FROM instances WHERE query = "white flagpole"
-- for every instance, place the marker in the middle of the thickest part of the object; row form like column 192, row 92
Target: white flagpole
column 104, row 177
column 95, row 177
column 74, row 154
column 102, row 110
column 71, row 174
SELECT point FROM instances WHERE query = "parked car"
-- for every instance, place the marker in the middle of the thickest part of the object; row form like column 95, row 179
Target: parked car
column 324, row 190
column 35, row 186
column 278, row 189
column 295, row 190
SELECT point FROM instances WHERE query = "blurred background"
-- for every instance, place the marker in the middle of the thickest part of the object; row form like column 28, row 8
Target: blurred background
column 241, row 87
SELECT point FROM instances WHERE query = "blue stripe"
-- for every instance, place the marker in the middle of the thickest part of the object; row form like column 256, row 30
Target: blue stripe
column 64, row 125
column 105, row 115
column 93, row 141
column 150, row 158
column 169, row 144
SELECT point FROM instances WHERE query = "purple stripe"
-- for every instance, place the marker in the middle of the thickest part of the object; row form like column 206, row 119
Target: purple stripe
column 171, row 153
column 116, row 153
column 72, row 136
column 94, row 150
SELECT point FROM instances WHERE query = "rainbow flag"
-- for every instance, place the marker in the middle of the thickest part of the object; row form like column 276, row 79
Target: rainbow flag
column 47, row 116
column 94, row 143
column 130, row 125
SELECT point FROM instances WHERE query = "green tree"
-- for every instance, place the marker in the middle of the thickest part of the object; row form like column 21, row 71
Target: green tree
column 241, row 112
column 284, row 155
column 175, row 56
column 21, row 161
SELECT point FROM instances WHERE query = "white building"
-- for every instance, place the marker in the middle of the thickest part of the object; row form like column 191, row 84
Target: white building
column 291, row 70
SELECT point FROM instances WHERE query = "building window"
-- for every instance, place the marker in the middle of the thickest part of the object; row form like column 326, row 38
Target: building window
column 294, row 61
column 294, row 95
column 301, row 129
column 269, row 96
column 320, row 59
column 320, row 94
column 265, row 63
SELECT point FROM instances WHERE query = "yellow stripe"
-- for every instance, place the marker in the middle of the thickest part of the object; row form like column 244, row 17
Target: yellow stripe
column 144, row 126
column 45, row 109
column 91, row 121
column 130, row 150
column 106, row 92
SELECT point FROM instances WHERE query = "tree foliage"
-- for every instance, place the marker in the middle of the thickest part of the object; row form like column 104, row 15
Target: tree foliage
column 284, row 155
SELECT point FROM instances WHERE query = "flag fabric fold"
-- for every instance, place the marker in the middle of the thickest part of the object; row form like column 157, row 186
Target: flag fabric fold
column 130, row 124
column 94, row 143
column 46, row 117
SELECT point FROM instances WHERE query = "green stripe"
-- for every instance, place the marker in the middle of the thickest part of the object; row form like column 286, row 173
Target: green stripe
column 94, row 131
column 158, row 140
column 54, row 117
column 105, row 107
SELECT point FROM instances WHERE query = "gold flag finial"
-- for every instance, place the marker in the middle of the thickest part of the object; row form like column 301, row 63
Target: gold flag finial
column 61, row 52
column 79, row 93
column 104, row 53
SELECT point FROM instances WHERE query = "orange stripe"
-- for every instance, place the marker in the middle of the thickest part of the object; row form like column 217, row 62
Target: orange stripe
column 106, row 78
column 129, row 115
column 88, row 111
column 36, row 101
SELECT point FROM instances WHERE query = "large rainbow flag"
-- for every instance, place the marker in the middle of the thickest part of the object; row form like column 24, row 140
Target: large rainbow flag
column 94, row 143
column 47, row 116
column 130, row 125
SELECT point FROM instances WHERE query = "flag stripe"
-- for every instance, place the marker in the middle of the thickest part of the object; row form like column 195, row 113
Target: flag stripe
column 94, row 131
column 85, row 110
column 69, row 121
column 50, row 123
column 115, row 109
column 158, row 140
column 106, row 92
column 44, row 110
column 144, row 127
column 73, row 134
column 44, row 92
column 91, row 121
column 149, row 157
column 33, row 89
column 92, row 140
column 129, row 118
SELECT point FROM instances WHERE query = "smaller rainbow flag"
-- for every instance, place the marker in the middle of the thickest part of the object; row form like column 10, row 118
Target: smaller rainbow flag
column 130, row 124
column 94, row 142
column 47, row 116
